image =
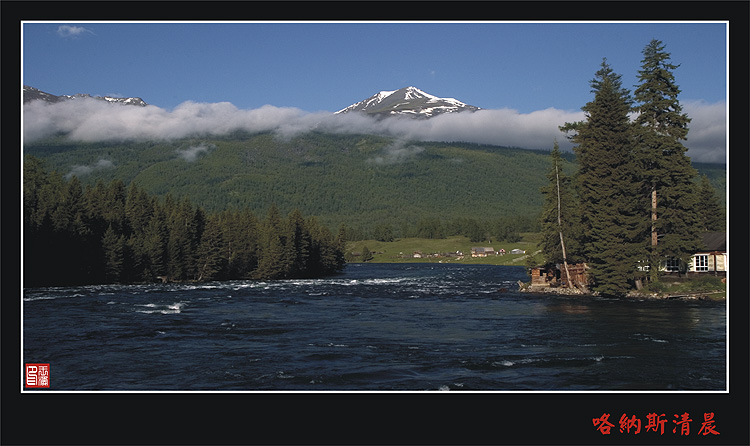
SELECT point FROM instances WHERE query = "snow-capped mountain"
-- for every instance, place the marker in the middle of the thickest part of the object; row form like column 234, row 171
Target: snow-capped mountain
column 408, row 101
column 33, row 94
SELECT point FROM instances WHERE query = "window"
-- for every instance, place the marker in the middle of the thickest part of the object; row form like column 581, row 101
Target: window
column 672, row 265
column 701, row 262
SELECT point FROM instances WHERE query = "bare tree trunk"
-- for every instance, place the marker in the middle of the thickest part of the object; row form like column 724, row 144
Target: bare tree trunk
column 654, row 237
column 559, row 226
column 654, row 267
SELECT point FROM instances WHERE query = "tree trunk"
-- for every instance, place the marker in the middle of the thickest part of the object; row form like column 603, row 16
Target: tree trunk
column 654, row 267
column 654, row 237
column 559, row 226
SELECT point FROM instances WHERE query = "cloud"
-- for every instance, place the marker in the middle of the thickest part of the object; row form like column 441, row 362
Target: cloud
column 82, row 170
column 90, row 120
column 397, row 152
column 191, row 153
column 707, row 137
column 72, row 31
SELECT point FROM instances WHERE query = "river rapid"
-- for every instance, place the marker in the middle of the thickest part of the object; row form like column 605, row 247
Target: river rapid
column 375, row 327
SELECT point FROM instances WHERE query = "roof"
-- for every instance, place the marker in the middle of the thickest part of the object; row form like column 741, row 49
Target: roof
column 714, row 241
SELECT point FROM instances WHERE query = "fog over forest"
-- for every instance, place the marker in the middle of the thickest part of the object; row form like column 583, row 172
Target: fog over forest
column 92, row 120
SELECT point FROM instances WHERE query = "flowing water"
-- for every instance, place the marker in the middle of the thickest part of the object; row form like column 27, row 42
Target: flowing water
column 375, row 327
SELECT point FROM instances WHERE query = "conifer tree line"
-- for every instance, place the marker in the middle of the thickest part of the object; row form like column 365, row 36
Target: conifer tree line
column 506, row 229
column 110, row 233
column 634, row 201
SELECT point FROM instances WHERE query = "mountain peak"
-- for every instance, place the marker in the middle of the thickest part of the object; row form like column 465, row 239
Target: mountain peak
column 407, row 101
column 33, row 94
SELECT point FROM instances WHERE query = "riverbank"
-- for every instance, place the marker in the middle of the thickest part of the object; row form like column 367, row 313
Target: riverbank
column 715, row 295
column 446, row 250
column 458, row 250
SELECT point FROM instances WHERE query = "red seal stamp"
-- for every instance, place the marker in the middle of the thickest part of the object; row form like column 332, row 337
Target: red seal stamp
column 37, row 375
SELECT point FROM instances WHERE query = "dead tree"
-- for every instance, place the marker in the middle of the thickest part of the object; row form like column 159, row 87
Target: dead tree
column 559, row 227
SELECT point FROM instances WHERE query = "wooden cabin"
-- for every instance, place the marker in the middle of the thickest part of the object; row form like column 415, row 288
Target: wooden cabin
column 554, row 276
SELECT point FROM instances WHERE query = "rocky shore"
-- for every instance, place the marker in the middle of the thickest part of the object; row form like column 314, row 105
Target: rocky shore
column 564, row 291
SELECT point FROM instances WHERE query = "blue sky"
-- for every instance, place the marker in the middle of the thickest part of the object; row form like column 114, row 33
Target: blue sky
column 525, row 67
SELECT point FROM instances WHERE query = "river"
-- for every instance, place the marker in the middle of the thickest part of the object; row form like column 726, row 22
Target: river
column 375, row 327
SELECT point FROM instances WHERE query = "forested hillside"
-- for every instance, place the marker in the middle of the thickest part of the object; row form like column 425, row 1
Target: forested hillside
column 363, row 181
column 110, row 233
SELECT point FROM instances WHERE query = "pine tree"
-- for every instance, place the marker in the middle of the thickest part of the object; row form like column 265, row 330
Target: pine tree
column 113, row 247
column 340, row 248
column 666, row 172
column 711, row 213
column 272, row 248
column 241, row 235
column 610, row 207
column 155, row 243
column 299, row 243
column 210, row 256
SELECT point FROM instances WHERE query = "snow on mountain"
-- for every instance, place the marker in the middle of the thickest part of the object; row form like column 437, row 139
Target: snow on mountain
column 33, row 94
column 408, row 101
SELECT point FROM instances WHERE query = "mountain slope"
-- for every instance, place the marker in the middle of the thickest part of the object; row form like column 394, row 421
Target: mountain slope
column 33, row 94
column 408, row 101
column 359, row 180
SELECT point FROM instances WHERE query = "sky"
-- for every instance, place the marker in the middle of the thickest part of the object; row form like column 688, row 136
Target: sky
column 528, row 78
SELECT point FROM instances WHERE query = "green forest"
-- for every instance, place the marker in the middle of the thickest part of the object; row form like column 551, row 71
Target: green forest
column 359, row 180
column 372, row 184
column 110, row 233
column 635, row 201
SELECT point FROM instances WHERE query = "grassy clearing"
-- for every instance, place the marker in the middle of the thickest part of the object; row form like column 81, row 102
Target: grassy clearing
column 709, row 287
column 402, row 250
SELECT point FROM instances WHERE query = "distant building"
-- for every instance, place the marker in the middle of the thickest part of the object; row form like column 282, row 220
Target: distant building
column 482, row 251
column 518, row 251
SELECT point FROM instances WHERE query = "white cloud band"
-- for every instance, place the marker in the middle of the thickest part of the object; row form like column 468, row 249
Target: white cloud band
column 92, row 120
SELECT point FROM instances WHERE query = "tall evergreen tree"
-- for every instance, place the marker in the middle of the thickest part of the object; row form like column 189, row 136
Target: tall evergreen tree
column 211, row 254
column 113, row 247
column 155, row 243
column 665, row 170
column 298, row 246
column 610, row 206
column 711, row 213
column 271, row 259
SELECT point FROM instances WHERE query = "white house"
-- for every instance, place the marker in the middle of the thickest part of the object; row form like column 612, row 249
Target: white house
column 713, row 259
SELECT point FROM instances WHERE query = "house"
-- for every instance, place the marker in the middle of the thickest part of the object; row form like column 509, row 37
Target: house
column 482, row 252
column 713, row 258
column 517, row 251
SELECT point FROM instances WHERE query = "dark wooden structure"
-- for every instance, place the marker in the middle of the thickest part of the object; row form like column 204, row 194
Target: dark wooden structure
column 555, row 276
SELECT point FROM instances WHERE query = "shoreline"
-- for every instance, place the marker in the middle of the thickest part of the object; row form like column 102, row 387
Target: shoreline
column 714, row 295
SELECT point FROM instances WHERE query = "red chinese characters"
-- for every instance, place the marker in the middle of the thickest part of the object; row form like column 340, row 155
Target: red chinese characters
column 655, row 424
column 683, row 421
column 707, row 427
column 626, row 424
column 602, row 425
